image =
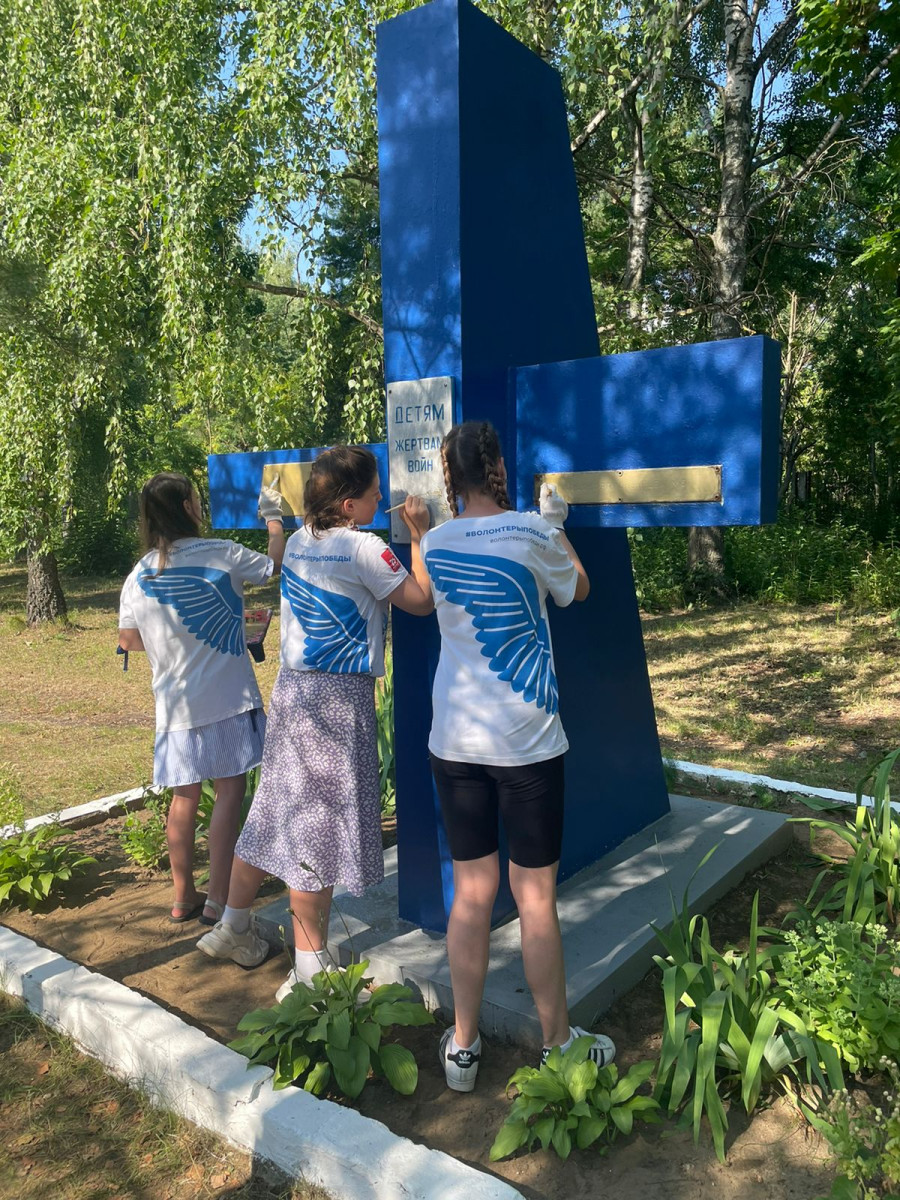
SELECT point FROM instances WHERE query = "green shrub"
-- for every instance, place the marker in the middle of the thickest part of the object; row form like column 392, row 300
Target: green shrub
column 726, row 1032
column 33, row 867
column 868, row 884
column 865, row 1140
column 321, row 1031
column 569, row 1099
column 98, row 542
column 839, row 979
column 659, row 563
column 796, row 560
column 143, row 836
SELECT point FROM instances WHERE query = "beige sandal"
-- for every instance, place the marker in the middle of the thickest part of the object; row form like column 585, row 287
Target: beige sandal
column 218, row 909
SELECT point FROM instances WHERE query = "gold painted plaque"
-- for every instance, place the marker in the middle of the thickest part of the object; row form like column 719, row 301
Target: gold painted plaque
column 644, row 485
column 292, row 479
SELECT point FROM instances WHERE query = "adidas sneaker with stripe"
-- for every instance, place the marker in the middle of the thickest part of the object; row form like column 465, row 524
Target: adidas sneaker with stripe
column 460, row 1066
column 602, row 1052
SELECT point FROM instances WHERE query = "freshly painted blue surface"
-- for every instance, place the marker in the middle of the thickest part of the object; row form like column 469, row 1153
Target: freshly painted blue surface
column 700, row 405
column 234, row 481
column 484, row 269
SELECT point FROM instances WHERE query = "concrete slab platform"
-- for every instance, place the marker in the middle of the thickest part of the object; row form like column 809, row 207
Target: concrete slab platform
column 606, row 912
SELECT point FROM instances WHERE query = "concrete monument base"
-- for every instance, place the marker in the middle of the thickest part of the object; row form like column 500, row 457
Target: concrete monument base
column 605, row 911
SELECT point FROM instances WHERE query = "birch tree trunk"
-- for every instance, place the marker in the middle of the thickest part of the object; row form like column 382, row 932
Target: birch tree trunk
column 640, row 206
column 44, row 599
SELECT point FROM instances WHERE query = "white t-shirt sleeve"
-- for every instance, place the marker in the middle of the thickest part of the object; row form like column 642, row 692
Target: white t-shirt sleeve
column 558, row 570
column 249, row 565
column 127, row 619
column 380, row 570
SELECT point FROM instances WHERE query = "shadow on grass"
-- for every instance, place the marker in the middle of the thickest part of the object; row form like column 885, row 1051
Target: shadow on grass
column 81, row 591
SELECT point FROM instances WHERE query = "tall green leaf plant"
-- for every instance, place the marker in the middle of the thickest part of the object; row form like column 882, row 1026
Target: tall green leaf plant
column 726, row 1034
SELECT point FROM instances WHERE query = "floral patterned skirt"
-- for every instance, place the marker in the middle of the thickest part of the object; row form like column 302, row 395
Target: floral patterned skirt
column 316, row 816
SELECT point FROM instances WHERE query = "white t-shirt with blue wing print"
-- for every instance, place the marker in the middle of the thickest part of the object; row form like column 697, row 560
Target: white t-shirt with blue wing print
column 495, row 694
column 334, row 604
column 191, row 620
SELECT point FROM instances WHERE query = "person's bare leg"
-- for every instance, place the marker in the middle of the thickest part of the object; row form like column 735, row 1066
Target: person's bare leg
column 475, row 884
column 223, row 834
column 534, row 890
column 180, row 828
column 245, row 882
column 310, row 912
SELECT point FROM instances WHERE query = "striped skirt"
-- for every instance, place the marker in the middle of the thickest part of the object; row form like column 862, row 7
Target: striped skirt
column 227, row 747
column 316, row 816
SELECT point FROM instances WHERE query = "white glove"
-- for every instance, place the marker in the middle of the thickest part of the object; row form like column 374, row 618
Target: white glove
column 269, row 506
column 554, row 509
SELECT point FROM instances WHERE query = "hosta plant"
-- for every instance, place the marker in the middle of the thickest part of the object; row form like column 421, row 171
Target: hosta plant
column 326, row 1032
column 570, row 1101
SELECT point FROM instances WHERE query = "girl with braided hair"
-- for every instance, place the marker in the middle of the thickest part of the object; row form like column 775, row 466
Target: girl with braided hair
column 497, row 743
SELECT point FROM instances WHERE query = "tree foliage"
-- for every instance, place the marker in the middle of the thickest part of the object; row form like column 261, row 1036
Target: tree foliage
column 738, row 170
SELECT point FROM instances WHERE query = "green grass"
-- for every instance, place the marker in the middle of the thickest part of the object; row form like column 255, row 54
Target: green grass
column 75, row 726
column 809, row 694
column 805, row 694
column 71, row 1130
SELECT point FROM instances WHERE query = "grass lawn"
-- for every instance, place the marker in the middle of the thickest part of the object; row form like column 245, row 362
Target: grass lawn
column 73, row 725
column 71, row 1130
column 810, row 695
column 806, row 694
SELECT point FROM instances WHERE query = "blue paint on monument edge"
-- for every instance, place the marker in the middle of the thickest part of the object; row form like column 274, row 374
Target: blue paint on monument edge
column 234, row 481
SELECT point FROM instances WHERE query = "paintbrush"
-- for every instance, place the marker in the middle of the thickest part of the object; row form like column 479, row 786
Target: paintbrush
column 424, row 495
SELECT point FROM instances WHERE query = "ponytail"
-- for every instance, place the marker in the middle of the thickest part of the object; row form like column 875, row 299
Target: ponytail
column 162, row 515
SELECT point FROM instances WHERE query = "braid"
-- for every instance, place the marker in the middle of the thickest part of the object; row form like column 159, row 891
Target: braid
column 452, row 494
column 470, row 454
column 490, row 465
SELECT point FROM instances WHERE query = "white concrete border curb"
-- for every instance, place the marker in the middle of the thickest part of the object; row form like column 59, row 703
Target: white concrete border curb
column 742, row 780
column 91, row 813
column 183, row 1070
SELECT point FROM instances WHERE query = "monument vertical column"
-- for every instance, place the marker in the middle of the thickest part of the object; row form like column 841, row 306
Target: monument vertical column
column 484, row 270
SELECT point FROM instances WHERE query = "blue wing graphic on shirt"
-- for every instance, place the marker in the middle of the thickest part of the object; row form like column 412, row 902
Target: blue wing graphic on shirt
column 205, row 601
column 336, row 632
column 502, row 599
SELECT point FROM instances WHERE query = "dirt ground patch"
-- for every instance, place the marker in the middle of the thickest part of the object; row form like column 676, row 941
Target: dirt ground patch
column 115, row 923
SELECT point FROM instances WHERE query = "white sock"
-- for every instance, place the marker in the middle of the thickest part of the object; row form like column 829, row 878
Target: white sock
column 567, row 1043
column 454, row 1044
column 309, row 962
column 237, row 918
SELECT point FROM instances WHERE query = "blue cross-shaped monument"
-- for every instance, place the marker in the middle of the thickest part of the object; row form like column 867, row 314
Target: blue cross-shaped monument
column 488, row 314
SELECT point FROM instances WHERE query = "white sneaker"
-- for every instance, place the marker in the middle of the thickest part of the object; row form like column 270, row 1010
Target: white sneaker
column 363, row 996
column 247, row 949
column 288, row 986
column 460, row 1066
column 603, row 1051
